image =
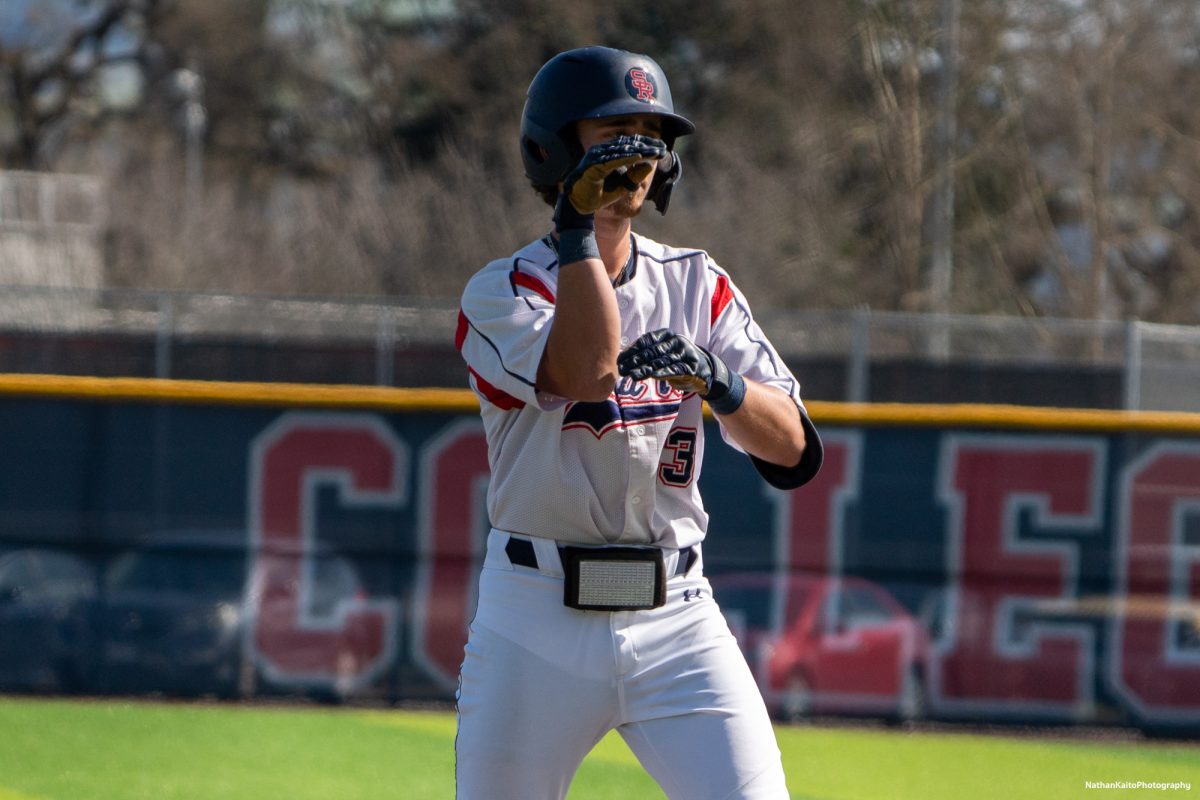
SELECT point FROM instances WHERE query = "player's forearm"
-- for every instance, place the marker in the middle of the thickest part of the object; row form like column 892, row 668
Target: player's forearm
column 767, row 425
column 580, row 360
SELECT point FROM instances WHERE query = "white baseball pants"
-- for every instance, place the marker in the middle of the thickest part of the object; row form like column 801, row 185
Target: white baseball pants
column 541, row 684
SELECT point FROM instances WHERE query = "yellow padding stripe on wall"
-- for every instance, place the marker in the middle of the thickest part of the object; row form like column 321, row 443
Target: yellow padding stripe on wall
column 307, row 395
column 384, row 398
column 968, row 415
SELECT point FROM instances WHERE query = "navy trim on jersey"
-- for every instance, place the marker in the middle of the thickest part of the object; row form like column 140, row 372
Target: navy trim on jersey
column 606, row 415
column 499, row 357
column 766, row 348
column 642, row 413
column 674, row 258
column 630, row 269
column 512, row 281
column 550, row 244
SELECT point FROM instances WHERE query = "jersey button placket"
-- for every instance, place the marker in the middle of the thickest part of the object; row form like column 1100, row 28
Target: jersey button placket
column 649, row 452
column 634, row 483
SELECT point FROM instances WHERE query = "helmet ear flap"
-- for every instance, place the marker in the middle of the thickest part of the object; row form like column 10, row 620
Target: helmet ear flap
column 664, row 182
column 548, row 158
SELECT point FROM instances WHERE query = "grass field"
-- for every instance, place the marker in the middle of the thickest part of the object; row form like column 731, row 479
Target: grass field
column 112, row 750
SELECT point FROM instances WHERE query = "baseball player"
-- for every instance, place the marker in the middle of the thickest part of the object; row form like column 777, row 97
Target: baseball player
column 593, row 351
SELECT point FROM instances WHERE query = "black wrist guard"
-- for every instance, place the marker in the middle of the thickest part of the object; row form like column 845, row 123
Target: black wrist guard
column 727, row 390
column 576, row 244
column 567, row 217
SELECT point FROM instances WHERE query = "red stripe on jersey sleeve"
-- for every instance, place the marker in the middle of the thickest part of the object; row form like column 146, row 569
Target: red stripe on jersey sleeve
column 720, row 299
column 460, row 335
column 530, row 282
column 497, row 397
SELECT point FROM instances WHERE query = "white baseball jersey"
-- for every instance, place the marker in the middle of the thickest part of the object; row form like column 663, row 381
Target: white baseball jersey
column 624, row 470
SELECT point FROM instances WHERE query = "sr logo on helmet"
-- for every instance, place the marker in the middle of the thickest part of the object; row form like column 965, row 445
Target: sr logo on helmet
column 641, row 86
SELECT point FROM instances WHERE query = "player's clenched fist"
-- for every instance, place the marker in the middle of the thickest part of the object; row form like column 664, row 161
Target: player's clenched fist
column 607, row 171
column 610, row 168
column 685, row 365
column 674, row 358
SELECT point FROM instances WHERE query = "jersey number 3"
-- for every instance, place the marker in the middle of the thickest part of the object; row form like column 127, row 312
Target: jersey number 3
column 681, row 450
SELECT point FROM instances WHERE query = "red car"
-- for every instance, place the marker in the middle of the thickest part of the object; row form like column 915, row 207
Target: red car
column 820, row 644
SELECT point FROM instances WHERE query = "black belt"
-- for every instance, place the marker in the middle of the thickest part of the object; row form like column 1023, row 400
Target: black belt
column 520, row 552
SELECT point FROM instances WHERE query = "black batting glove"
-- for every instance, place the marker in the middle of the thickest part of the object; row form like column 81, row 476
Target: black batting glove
column 685, row 365
column 606, row 171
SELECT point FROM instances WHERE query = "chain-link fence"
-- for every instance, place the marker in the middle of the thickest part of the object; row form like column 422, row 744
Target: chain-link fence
column 857, row 356
column 135, row 333
column 1162, row 367
column 56, row 317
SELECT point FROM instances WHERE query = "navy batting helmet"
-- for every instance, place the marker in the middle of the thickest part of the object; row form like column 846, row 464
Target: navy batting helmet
column 591, row 83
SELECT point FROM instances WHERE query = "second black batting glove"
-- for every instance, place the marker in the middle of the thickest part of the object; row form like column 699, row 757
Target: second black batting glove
column 685, row 365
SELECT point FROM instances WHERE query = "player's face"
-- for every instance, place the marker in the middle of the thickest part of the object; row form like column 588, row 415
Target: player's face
column 594, row 131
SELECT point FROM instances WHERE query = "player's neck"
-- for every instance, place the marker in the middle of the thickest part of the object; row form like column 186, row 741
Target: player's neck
column 612, row 237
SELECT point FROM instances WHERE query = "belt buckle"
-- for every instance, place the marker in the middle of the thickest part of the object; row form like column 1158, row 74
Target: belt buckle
column 613, row 578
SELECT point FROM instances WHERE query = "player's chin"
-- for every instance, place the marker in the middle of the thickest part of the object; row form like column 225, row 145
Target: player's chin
column 629, row 206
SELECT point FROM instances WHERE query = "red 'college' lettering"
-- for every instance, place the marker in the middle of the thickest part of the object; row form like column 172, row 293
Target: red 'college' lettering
column 995, row 655
column 354, row 642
